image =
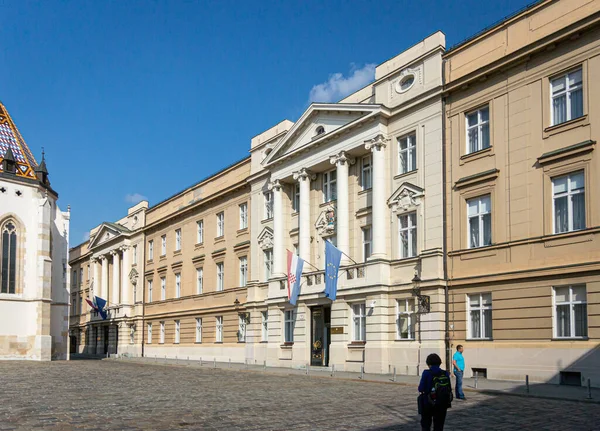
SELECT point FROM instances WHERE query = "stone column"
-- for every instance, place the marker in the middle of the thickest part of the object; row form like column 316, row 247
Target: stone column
column 304, row 177
column 341, row 161
column 114, row 297
column 96, row 279
column 125, row 285
column 377, row 147
column 278, row 248
column 104, row 286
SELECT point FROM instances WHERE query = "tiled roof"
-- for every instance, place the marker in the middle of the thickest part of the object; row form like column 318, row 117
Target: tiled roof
column 11, row 138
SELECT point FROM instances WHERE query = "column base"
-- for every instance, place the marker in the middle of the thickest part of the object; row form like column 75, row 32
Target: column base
column 377, row 256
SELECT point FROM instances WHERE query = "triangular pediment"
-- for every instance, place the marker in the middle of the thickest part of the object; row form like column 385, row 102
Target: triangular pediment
column 320, row 122
column 265, row 238
column 406, row 197
column 107, row 232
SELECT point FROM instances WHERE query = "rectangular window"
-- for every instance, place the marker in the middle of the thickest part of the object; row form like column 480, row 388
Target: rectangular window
column 569, row 202
column 162, row 332
column 570, row 312
column 149, row 290
column 134, row 254
column 200, row 232
column 330, row 186
column 367, row 241
column 289, row 326
column 199, row 280
column 163, row 288
column 479, row 212
column 177, row 331
column 407, row 151
column 150, row 250
column 220, row 224
column 243, row 216
column 264, row 326
column 80, row 304
column 567, row 97
column 74, row 304
column 296, row 198
column 407, row 225
column 81, row 276
column 220, row 277
column 406, row 319
column 163, row 245
column 177, row 285
column 268, row 205
column 478, row 130
column 219, row 331
column 149, row 333
column 360, row 322
column 242, row 321
column 366, row 173
column 480, row 316
column 88, row 273
column 177, row 239
column 268, row 257
column 198, row 330
column 74, row 280
column 243, row 271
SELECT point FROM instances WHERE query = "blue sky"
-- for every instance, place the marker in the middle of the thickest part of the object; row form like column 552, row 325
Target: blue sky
column 139, row 99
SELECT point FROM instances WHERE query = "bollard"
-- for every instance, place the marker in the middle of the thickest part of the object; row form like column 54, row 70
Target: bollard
column 229, row 362
column 476, row 375
column 407, row 370
column 527, row 383
column 265, row 365
column 362, row 372
column 200, row 360
column 215, row 363
column 589, row 397
column 155, row 358
column 307, row 367
column 246, row 361
column 394, row 377
column 332, row 370
column 165, row 359
column 188, row 361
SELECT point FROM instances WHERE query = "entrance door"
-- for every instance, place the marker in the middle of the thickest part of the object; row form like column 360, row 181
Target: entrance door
column 106, row 334
column 320, row 335
column 73, row 344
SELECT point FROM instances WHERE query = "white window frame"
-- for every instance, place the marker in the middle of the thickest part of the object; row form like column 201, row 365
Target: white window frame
column 162, row 332
column 163, row 245
column 178, row 285
column 569, row 194
column 200, row 232
column 367, row 242
column 567, row 93
column 482, row 320
column 243, row 216
column 296, row 197
column 411, row 234
column 288, row 326
column 329, row 184
column 366, row 172
column 268, row 198
column 220, row 277
column 479, row 126
column 268, row 263
column 81, row 275
column 571, row 303
column 411, row 147
column 149, row 333
column 198, row 329
column 264, row 315
column 177, row 239
column 410, row 315
column 480, row 215
column 151, row 249
column 150, row 282
column 219, row 329
column 220, row 224
column 359, row 318
column 242, row 327
column 243, row 271
column 163, row 288
column 199, row 280
column 177, row 331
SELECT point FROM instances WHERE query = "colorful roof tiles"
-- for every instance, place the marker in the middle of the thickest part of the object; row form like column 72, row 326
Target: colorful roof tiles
column 11, row 138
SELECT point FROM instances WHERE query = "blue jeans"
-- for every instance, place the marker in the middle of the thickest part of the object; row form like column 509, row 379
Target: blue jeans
column 459, row 381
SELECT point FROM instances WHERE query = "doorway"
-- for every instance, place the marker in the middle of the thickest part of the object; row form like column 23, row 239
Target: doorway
column 73, row 340
column 106, row 334
column 320, row 339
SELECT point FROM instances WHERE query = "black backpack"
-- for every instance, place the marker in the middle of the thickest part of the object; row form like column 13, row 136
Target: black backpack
column 441, row 391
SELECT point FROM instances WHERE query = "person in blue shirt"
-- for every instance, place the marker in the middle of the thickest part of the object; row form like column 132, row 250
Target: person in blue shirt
column 429, row 413
column 458, row 362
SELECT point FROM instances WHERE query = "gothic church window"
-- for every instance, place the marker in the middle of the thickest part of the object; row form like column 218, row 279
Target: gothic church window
column 8, row 258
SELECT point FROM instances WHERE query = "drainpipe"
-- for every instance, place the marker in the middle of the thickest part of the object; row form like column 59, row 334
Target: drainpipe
column 444, row 225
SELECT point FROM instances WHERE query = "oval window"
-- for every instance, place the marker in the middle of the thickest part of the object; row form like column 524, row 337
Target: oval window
column 406, row 83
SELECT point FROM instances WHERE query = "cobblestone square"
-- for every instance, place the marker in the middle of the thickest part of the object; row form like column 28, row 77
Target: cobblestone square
column 111, row 395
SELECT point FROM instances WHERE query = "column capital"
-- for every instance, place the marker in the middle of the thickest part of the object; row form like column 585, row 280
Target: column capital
column 304, row 174
column 93, row 260
column 274, row 185
column 342, row 158
column 114, row 252
column 377, row 143
column 103, row 257
column 124, row 248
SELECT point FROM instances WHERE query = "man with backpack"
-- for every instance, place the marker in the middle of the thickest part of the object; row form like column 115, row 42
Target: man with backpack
column 435, row 396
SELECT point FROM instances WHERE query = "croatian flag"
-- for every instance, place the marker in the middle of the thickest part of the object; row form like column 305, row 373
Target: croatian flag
column 91, row 303
column 294, row 276
column 98, row 304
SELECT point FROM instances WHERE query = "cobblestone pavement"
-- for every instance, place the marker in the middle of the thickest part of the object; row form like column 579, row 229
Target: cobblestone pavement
column 110, row 395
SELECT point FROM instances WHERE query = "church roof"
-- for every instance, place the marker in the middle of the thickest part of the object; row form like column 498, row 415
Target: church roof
column 11, row 139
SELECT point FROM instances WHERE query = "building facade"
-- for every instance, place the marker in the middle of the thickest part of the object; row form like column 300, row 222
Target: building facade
column 523, row 212
column 34, row 238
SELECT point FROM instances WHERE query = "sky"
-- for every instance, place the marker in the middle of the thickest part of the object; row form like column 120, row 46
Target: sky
column 137, row 100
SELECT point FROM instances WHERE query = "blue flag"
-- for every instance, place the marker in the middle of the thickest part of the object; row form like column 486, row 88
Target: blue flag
column 101, row 303
column 333, row 256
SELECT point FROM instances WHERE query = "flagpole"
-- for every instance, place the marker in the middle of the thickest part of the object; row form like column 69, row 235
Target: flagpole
column 306, row 261
column 355, row 262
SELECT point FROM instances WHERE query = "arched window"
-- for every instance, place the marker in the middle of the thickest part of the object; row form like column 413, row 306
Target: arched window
column 8, row 258
column 320, row 130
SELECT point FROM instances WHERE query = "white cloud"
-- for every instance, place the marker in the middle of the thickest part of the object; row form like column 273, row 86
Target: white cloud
column 86, row 236
column 134, row 198
column 337, row 86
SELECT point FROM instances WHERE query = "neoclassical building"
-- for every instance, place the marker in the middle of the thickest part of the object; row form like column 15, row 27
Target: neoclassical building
column 34, row 238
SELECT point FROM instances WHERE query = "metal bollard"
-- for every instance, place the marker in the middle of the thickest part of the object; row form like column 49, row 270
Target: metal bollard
column 307, row 367
column 188, row 361
column 215, row 363
column 394, row 377
column 165, row 359
column 527, row 383
column 476, row 375
column 407, row 370
column 332, row 370
column 200, row 360
column 265, row 365
column 362, row 372
column 246, row 362
column 589, row 397
column 229, row 362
